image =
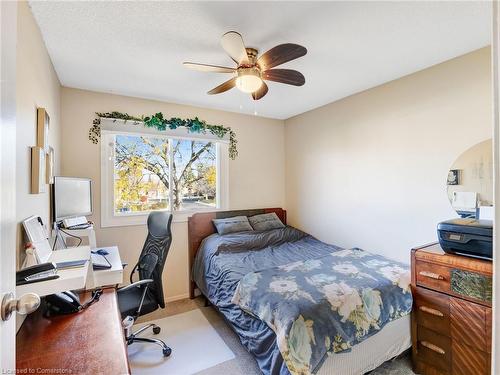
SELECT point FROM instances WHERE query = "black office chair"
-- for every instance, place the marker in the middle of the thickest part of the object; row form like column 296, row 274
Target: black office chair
column 146, row 295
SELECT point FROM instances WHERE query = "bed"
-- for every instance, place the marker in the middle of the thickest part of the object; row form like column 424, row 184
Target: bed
column 227, row 270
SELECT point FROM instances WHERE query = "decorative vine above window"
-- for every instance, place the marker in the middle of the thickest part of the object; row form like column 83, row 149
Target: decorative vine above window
column 159, row 122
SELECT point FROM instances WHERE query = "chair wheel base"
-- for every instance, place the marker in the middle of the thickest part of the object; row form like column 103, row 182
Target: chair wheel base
column 156, row 330
column 167, row 352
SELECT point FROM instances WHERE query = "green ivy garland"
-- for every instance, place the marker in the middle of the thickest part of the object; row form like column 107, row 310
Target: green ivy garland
column 159, row 122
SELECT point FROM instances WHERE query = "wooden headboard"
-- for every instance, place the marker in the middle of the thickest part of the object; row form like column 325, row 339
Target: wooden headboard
column 200, row 226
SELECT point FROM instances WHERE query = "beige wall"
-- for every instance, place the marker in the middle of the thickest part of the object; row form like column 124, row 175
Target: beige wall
column 370, row 170
column 37, row 86
column 256, row 177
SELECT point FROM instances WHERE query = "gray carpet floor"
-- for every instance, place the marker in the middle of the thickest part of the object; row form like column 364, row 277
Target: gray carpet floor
column 243, row 363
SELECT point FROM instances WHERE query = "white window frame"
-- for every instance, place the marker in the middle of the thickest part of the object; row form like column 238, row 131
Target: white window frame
column 111, row 127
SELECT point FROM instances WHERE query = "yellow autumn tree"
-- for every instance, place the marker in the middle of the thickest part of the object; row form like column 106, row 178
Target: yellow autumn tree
column 130, row 186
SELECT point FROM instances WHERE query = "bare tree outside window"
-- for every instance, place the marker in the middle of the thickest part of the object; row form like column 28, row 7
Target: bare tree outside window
column 150, row 176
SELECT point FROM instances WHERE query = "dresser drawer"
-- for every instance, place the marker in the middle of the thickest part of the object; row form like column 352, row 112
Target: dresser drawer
column 420, row 367
column 432, row 310
column 434, row 349
column 471, row 285
column 469, row 324
column 433, row 276
column 469, row 361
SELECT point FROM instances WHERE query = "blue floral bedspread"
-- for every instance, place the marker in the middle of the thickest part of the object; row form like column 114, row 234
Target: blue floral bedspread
column 326, row 305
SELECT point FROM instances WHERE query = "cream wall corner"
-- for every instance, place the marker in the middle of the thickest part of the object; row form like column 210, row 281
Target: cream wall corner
column 37, row 86
column 370, row 170
column 256, row 177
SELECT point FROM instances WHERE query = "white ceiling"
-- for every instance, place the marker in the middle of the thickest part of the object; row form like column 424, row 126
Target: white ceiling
column 137, row 48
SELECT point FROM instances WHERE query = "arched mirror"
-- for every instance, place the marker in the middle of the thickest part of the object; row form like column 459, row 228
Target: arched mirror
column 470, row 182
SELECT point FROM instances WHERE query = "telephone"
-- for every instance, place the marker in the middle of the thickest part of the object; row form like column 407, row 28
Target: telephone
column 63, row 303
column 39, row 272
column 68, row 302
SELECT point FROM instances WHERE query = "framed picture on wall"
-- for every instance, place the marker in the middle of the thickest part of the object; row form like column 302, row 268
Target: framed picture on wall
column 49, row 166
column 42, row 129
column 38, row 175
column 454, row 177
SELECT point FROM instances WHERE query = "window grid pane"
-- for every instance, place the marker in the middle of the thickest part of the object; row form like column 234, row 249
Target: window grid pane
column 194, row 175
column 141, row 168
column 153, row 173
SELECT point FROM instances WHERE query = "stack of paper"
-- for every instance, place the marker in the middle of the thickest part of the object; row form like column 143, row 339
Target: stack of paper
column 464, row 201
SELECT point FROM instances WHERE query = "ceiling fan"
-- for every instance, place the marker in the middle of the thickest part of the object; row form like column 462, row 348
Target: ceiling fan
column 252, row 71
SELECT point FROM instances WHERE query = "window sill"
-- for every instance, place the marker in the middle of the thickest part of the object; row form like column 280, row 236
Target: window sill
column 140, row 219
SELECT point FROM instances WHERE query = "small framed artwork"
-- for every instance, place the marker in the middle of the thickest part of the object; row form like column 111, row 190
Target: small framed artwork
column 454, row 177
column 38, row 175
column 42, row 129
column 49, row 166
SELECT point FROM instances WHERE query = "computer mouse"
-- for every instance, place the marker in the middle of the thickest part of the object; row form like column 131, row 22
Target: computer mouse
column 101, row 252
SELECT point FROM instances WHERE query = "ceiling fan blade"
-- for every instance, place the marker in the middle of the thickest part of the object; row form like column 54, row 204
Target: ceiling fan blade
column 228, row 85
column 232, row 42
column 208, row 68
column 280, row 54
column 260, row 92
column 288, row 76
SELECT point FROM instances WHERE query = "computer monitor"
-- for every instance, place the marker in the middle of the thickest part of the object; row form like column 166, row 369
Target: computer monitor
column 72, row 197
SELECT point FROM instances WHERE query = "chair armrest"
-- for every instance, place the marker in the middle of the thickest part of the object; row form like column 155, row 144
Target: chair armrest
column 133, row 285
column 132, row 273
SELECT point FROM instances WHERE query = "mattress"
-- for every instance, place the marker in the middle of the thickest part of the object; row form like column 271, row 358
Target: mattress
column 217, row 273
column 366, row 356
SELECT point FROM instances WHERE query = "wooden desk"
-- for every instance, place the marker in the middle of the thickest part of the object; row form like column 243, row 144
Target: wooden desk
column 89, row 342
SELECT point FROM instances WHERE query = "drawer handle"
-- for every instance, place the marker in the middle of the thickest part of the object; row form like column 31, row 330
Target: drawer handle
column 428, row 310
column 432, row 347
column 431, row 275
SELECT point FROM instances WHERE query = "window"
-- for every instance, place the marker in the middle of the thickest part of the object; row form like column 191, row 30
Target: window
column 145, row 172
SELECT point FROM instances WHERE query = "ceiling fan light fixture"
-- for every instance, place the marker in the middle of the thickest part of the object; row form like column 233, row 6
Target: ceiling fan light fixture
column 248, row 80
column 252, row 71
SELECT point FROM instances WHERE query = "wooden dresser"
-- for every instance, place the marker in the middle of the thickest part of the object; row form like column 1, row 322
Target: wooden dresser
column 451, row 320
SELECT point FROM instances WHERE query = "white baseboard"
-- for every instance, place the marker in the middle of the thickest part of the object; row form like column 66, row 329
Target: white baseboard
column 177, row 297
